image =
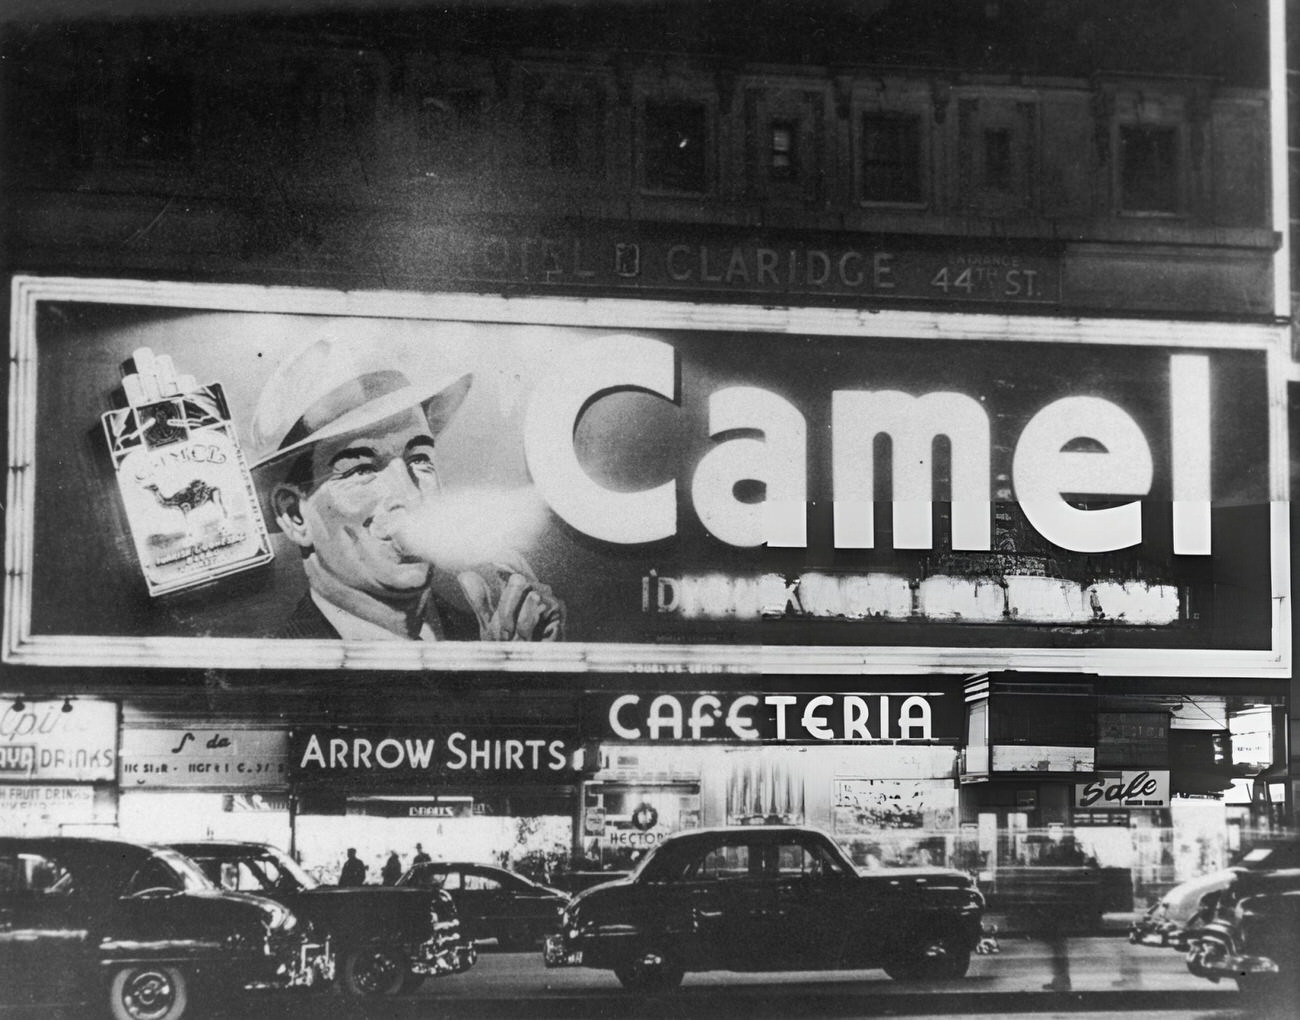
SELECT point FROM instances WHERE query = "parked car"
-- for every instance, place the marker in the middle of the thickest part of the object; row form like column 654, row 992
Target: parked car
column 1167, row 921
column 387, row 940
column 139, row 930
column 1253, row 937
column 767, row 898
column 492, row 902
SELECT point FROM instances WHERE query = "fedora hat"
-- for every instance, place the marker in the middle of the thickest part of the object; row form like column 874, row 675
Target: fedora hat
column 330, row 388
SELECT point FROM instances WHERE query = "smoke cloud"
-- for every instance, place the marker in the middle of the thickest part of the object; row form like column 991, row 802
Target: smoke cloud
column 468, row 527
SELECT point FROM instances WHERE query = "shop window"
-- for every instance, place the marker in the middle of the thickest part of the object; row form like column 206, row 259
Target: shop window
column 783, row 150
column 891, row 158
column 1044, row 720
column 997, row 159
column 676, row 137
column 480, row 883
column 1148, row 168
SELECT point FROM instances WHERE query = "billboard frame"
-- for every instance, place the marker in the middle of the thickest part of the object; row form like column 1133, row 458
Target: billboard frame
column 22, row 647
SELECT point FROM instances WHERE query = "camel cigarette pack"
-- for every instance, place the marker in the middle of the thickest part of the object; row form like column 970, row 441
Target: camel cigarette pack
column 189, row 497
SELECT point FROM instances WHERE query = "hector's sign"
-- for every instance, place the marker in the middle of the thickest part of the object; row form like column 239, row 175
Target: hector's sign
column 630, row 486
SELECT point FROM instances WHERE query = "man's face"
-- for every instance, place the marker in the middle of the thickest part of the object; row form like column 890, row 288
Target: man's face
column 357, row 481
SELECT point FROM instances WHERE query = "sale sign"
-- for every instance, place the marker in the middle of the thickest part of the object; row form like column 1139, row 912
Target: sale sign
column 1144, row 788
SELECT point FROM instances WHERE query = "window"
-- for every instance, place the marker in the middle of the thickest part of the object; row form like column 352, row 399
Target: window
column 729, row 861
column 153, row 874
column 428, row 878
column 480, row 883
column 576, row 143
column 675, row 140
column 1148, row 168
column 34, row 873
column 783, row 153
column 997, row 159
column 891, row 158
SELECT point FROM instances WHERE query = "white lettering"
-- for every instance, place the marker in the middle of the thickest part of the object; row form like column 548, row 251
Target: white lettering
column 912, row 423
column 579, row 375
column 1044, row 473
column 778, row 460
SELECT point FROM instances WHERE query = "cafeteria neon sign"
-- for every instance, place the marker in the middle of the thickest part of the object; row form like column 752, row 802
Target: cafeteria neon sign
column 1072, row 449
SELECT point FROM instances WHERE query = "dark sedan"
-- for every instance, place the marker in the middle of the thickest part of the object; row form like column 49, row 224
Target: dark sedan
column 139, row 930
column 386, row 940
column 493, row 903
column 768, row 898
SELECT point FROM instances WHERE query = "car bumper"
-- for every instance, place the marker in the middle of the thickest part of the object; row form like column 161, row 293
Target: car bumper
column 438, row 957
column 557, row 952
column 1214, row 960
column 298, row 964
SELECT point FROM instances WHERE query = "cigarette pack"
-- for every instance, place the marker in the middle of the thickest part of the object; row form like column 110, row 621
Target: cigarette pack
column 189, row 497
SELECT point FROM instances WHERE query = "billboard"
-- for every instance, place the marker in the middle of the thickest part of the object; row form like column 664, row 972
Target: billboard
column 230, row 476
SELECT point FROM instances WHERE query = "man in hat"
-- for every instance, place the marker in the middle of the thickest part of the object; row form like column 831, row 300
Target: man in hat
column 342, row 446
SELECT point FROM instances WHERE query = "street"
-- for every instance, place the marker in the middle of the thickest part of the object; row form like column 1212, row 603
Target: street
column 1108, row 977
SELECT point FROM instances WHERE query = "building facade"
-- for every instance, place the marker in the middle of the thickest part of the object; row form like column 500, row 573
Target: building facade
column 723, row 274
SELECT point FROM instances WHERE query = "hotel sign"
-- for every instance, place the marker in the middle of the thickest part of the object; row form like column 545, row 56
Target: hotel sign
column 706, row 488
column 737, row 266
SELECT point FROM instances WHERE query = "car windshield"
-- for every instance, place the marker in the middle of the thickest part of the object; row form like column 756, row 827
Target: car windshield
column 263, row 870
column 171, row 870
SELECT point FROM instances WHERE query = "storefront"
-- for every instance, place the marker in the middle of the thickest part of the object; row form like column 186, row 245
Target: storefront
column 58, row 766
column 876, row 767
column 1163, row 780
column 490, row 794
column 205, row 782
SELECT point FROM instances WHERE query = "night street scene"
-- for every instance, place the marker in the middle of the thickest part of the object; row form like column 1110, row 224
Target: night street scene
column 557, row 509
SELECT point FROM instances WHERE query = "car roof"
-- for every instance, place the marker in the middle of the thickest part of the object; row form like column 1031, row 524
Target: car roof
column 219, row 846
column 96, row 843
column 763, row 831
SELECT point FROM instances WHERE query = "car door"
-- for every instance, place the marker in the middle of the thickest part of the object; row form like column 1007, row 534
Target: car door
column 44, row 920
column 483, row 897
column 732, row 899
column 812, row 904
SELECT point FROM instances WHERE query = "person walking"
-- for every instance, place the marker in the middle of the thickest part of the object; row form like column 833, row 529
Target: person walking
column 420, row 856
column 392, row 869
column 354, row 869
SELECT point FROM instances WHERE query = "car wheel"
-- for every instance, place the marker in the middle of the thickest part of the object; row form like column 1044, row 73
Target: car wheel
column 939, row 959
column 651, row 971
column 374, row 970
column 149, row 993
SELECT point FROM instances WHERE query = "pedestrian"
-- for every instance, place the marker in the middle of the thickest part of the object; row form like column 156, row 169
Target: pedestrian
column 392, row 868
column 420, row 856
column 354, row 869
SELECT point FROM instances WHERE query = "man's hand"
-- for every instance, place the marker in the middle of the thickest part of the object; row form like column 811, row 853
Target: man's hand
column 524, row 610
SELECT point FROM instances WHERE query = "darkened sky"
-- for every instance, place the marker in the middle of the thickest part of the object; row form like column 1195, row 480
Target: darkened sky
column 1224, row 39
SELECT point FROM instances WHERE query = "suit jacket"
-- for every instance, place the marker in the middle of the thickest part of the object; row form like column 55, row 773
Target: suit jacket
column 307, row 621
